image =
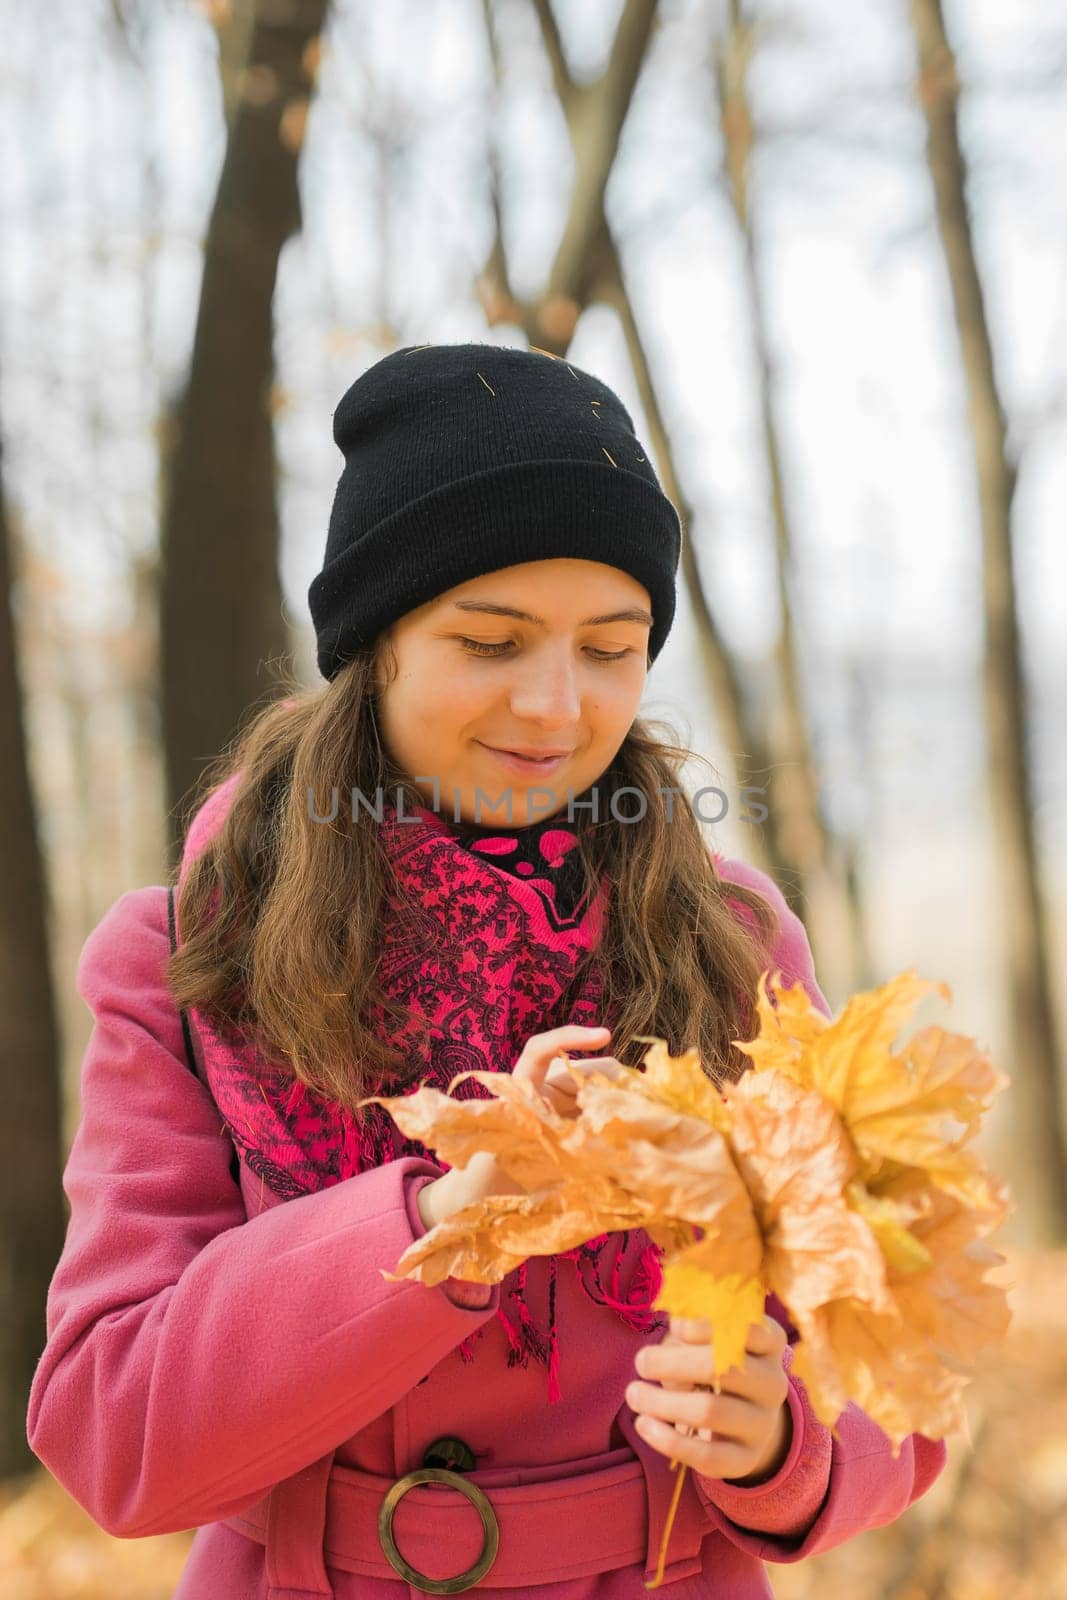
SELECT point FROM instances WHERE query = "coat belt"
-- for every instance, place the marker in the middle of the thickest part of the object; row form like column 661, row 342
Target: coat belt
column 573, row 1525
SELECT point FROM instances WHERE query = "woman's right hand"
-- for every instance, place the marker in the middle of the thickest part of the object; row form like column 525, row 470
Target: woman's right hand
column 544, row 1063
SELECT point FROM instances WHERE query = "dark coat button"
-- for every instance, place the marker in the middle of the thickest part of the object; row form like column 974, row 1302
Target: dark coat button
column 450, row 1453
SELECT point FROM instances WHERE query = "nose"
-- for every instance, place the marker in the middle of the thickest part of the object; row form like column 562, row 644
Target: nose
column 548, row 693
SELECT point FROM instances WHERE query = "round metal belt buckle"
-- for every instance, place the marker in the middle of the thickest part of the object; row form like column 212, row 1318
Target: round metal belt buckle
column 455, row 1480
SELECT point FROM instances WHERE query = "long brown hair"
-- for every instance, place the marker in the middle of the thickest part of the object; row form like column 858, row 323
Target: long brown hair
column 278, row 913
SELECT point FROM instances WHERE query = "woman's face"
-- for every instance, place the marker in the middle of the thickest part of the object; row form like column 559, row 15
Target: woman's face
column 519, row 659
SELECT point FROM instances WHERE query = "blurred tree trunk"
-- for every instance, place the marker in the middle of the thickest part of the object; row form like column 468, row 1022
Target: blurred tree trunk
column 33, row 1218
column 233, row 26
column 221, row 603
column 1040, row 1177
column 804, row 848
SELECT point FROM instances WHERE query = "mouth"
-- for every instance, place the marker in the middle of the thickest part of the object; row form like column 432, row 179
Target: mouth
column 523, row 761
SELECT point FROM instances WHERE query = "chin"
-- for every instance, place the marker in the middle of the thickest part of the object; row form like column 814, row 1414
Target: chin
column 520, row 815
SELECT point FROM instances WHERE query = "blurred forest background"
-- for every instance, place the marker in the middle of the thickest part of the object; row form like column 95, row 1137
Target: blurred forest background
column 821, row 253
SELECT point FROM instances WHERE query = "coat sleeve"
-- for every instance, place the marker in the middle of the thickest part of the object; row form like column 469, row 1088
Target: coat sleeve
column 791, row 951
column 461, row 1291
column 827, row 1488
column 194, row 1357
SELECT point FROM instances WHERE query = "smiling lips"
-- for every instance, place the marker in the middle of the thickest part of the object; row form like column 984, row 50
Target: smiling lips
column 526, row 753
column 537, row 762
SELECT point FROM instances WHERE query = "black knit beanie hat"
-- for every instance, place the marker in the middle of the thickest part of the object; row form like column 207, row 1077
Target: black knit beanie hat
column 461, row 459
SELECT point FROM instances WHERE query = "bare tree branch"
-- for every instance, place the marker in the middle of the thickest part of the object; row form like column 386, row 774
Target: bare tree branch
column 566, row 89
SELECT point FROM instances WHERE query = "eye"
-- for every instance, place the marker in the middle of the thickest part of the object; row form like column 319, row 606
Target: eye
column 478, row 647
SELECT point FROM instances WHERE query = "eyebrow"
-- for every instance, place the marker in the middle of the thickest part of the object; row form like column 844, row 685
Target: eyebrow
column 631, row 614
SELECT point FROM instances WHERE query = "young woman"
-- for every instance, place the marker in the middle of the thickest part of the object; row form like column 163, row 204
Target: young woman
column 466, row 851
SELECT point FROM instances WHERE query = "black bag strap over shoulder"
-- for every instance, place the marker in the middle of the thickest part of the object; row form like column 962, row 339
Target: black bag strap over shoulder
column 190, row 1055
column 190, row 1058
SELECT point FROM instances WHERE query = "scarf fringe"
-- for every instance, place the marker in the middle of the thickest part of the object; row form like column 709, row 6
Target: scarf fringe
column 527, row 1339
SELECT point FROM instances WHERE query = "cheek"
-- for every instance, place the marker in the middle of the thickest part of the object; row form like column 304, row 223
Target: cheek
column 458, row 692
column 620, row 697
column 446, row 698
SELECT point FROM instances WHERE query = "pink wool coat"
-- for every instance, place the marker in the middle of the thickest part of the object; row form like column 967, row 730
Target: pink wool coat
column 220, row 1360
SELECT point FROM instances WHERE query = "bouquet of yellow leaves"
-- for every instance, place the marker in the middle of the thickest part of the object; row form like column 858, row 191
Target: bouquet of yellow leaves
column 836, row 1173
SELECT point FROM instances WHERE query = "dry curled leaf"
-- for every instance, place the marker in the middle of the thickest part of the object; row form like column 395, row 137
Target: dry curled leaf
column 635, row 1157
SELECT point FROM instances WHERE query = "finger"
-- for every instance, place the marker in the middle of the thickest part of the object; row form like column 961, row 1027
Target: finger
column 543, row 1049
column 723, row 1416
column 766, row 1336
column 762, row 1378
column 605, row 1064
column 675, row 1362
column 763, row 1381
column 714, row 1458
column 573, row 1036
column 691, row 1330
column 642, row 1398
column 689, row 1364
column 600, row 1063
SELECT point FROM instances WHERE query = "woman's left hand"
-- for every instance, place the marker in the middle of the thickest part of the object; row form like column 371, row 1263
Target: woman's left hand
column 743, row 1433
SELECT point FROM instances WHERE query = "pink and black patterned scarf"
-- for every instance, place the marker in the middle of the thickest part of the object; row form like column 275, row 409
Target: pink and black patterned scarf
column 509, row 927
